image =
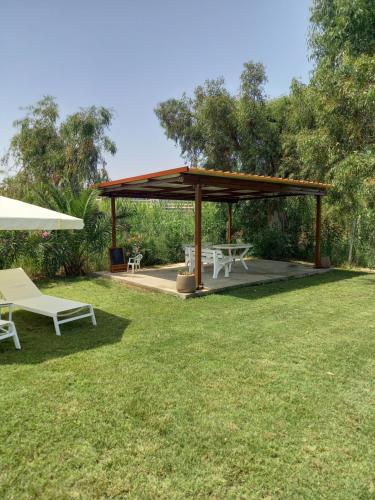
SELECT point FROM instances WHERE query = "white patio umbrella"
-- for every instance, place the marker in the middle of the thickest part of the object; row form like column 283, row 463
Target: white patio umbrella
column 18, row 215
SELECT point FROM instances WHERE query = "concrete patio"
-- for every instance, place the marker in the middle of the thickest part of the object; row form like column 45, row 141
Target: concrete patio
column 163, row 278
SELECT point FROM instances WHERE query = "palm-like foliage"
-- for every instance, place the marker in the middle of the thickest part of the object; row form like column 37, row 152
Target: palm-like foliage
column 73, row 250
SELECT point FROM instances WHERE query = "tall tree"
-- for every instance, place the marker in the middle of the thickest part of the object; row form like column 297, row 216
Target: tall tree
column 331, row 118
column 257, row 124
column 329, row 131
column 84, row 139
column 215, row 129
column 341, row 27
column 46, row 151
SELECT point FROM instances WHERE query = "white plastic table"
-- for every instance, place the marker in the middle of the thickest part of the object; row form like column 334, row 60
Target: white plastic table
column 236, row 251
column 9, row 306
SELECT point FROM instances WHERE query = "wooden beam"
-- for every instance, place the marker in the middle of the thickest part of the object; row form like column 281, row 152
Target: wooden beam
column 198, row 237
column 267, row 196
column 229, row 223
column 174, row 197
column 268, row 187
column 318, row 223
column 113, row 213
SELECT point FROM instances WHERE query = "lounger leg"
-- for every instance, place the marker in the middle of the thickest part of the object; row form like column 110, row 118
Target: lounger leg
column 16, row 340
column 57, row 326
column 93, row 319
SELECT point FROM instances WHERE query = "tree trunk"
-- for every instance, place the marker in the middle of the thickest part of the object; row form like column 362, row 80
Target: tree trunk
column 351, row 240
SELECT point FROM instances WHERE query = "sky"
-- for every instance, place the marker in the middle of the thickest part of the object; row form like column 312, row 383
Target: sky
column 129, row 55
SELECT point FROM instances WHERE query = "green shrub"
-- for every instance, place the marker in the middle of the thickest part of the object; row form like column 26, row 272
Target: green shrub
column 272, row 244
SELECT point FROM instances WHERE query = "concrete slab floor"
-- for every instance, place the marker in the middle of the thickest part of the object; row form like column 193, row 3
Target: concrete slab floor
column 163, row 278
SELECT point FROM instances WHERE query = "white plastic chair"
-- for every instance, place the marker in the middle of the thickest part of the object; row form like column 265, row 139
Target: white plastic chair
column 135, row 262
column 8, row 330
column 209, row 256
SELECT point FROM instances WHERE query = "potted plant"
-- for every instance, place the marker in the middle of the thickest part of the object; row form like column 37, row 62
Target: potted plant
column 325, row 261
column 185, row 282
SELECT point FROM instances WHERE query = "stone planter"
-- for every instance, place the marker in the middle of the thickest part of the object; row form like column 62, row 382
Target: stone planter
column 185, row 283
column 325, row 262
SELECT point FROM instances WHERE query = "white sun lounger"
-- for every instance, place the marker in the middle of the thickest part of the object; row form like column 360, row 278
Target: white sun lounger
column 18, row 288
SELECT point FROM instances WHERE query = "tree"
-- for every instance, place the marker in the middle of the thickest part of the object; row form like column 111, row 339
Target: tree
column 215, row 129
column 46, row 151
column 84, row 142
column 257, row 124
column 202, row 126
column 354, row 192
column 332, row 117
column 36, row 150
column 341, row 27
column 328, row 132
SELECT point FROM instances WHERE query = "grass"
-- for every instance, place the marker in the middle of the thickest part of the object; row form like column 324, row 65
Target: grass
column 263, row 392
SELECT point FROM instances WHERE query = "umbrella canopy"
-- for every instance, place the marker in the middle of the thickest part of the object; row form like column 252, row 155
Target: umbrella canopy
column 18, row 215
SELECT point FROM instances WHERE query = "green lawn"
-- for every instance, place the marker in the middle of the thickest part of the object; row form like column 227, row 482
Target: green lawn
column 264, row 392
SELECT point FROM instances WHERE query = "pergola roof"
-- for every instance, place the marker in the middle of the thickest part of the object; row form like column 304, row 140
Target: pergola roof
column 217, row 185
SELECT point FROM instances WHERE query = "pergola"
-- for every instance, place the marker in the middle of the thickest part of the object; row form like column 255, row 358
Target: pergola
column 198, row 184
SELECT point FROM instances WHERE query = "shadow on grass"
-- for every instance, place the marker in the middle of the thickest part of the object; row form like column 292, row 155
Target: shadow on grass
column 258, row 291
column 100, row 281
column 39, row 342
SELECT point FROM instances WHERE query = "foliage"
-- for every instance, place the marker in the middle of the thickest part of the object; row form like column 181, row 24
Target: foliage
column 46, row 151
column 160, row 232
column 215, row 129
column 54, row 163
column 328, row 129
column 341, row 27
column 73, row 250
column 13, row 244
column 272, row 244
column 278, row 229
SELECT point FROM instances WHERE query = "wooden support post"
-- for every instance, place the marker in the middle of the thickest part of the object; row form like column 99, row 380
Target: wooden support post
column 113, row 212
column 318, row 223
column 198, row 237
column 229, row 223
